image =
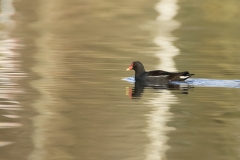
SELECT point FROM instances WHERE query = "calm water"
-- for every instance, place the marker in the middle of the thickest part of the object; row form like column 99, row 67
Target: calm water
column 62, row 91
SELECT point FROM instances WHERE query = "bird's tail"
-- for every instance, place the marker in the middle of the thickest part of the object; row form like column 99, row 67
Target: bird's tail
column 185, row 75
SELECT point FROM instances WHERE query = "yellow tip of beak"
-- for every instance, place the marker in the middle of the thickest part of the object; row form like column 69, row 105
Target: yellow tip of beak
column 127, row 69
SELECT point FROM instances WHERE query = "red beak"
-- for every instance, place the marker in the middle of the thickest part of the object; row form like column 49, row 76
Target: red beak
column 130, row 67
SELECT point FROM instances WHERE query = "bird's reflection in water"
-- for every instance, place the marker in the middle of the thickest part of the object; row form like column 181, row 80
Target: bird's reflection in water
column 137, row 91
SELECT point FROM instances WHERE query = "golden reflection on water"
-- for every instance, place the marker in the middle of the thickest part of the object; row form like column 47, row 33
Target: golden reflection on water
column 82, row 50
column 10, row 72
column 44, row 101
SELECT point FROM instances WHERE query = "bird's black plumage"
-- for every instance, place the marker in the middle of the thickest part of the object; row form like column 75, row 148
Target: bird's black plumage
column 156, row 76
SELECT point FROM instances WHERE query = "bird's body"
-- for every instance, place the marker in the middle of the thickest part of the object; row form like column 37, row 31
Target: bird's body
column 156, row 76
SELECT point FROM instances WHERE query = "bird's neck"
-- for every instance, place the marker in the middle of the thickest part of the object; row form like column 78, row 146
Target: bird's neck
column 138, row 71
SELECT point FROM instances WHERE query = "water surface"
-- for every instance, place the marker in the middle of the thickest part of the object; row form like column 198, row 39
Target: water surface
column 62, row 93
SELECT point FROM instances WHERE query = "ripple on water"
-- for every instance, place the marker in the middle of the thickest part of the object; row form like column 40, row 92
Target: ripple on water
column 202, row 82
column 9, row 88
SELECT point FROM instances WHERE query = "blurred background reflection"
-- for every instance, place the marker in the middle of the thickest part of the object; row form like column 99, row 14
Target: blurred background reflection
column 62, row 93
column 159, row 115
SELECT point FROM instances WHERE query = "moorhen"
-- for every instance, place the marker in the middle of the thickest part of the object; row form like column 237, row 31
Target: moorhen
column 156, row 76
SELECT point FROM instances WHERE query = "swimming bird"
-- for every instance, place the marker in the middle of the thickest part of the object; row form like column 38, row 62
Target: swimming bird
column 156, row 76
